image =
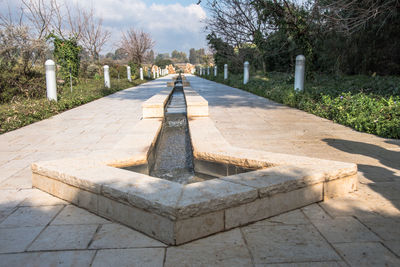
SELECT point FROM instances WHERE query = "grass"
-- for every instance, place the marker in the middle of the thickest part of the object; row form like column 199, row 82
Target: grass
column 365, row 103
column 22, row 111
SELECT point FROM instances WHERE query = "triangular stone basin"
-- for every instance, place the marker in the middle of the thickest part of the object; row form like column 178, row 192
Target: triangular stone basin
column 175, row 213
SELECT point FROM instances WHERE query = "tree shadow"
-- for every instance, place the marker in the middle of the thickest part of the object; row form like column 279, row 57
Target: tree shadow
column 384, row 181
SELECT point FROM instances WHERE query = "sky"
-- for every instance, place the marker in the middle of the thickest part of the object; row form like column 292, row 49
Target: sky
column 172, row 24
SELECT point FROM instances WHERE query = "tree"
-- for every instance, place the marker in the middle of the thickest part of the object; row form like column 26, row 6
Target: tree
column 93, row 36
column 192, row 56
column 236, row 21
column 149, row 58
column 136, row 43
column 179, row 57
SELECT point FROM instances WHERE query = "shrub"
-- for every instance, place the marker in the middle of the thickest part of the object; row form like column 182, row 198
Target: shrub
column 367, row 104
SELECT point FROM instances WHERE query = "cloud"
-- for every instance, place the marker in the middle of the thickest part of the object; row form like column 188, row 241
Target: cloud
column 172, row 26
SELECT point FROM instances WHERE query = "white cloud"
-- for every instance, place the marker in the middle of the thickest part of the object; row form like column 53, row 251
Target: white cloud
column 172, row 26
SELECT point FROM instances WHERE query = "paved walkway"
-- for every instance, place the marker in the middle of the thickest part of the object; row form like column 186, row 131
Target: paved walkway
column 362, row 229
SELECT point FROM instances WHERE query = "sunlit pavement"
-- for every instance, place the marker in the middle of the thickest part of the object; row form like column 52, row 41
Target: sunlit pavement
column 361, row 229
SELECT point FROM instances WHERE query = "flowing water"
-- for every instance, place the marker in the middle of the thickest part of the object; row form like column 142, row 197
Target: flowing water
column 173, row 151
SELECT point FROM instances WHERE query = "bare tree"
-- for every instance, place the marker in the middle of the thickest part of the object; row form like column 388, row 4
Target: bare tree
column 350, row 15
column 40, row 14
column 236, row 21
column 94, row 36
column 136, row 43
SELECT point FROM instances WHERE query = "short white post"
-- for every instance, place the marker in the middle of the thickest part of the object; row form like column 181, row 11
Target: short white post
column 158, row 73
column 128, row 73
column 208, row 71
column 225, row 71
column 299, row 73
column 51, row 86
column 246, row 72
column 106, row 76
column 141, row 73
column 215, row 70
column 201, row 71
column 148, row 73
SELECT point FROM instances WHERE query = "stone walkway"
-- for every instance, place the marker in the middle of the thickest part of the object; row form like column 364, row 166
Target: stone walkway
column 361, row 229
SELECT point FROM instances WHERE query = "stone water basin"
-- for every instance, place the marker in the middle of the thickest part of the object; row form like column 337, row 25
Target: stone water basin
column 177, row 213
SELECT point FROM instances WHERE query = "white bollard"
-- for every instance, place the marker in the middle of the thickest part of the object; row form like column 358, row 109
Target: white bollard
column 51, row 86
column 225, row 71
column 299, row 73
column 141, row 73
column 128, row 73
column 246, row 72
column 154, row 74
column 148, row 73
column 106, row 76
column 208, row 71
column 215, row 70
column 158, row 73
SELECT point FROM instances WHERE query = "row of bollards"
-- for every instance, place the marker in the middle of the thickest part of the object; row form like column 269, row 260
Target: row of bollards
column 298, row 77
column 51, row 85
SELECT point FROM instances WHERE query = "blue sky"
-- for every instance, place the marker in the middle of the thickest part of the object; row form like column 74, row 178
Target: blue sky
column 172, row 24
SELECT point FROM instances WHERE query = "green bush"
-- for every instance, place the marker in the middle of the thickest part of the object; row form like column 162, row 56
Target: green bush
column 23, row 111
column 367, row 104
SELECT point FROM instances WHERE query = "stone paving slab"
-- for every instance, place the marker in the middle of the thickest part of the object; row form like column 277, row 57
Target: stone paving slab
column 243, row 120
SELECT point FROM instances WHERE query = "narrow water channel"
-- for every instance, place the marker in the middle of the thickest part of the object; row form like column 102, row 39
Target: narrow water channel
column 173, row 151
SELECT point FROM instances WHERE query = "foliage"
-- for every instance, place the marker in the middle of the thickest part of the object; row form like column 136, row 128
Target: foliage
column 367, row 104
column 66, row 53
column 24, row 111
column 180, row 57
column 162, row 62
column 19, row 54
column 344, row 36
column 196, row 56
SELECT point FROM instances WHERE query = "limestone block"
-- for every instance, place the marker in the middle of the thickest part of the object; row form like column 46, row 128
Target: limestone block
column 210, row 168
column 272, row 205
column 115, row 235
column 340, row 187
column 17, row 239
column 154, row 106
column 153, row 112
column 142, row 191
column 66, row 258
column 129, row 257
column 151, row 224
column 64, row 237
column 212, row 195
column 197, row 110
column 31, row 216
column 64, row 191
column 199, row 226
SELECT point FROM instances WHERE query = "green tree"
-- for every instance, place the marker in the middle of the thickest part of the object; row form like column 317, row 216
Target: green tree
column 66, row 53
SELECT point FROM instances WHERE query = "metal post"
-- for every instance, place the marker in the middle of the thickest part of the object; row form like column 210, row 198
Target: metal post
column 225, row 71
column 128, row 73
column 51, row 85
column 299, row 73
column 246, row 72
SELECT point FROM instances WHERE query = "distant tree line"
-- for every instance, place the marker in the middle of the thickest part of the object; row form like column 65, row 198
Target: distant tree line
column 336, row 36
